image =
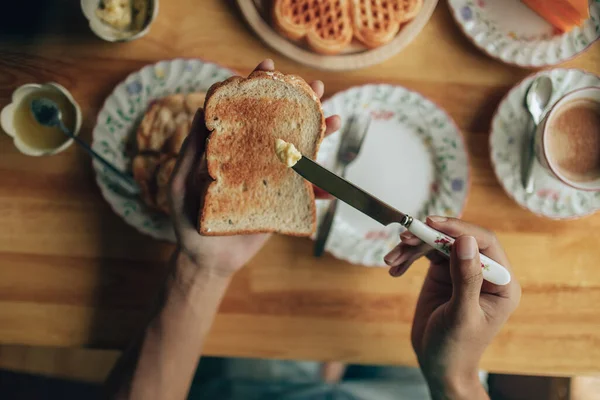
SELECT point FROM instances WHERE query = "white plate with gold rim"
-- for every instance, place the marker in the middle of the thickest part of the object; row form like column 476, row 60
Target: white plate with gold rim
column 413, row 158
column 551, row 198
column 511, row 32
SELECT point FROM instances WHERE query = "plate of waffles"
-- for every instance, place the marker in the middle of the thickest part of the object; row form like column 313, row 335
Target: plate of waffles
column 141, row 128
column 411, row 143
column 529, row 33
column 337, row 34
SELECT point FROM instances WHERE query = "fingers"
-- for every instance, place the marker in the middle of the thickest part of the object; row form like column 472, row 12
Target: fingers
column 466, row 275
column 403, row 256
column 318, row 87
column 332, row 124
column 185, row 165
column 198, row 129
column 488, row 244
column 265, row 65
column 409, row 238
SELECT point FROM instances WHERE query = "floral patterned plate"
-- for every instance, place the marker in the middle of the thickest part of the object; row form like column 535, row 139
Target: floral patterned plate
column 413, row 158
column 509, row 31
column 551, row 198
column 118, row 120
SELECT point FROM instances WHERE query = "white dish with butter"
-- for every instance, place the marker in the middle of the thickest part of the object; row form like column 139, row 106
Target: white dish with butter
column 120, row 20
column 413, row 158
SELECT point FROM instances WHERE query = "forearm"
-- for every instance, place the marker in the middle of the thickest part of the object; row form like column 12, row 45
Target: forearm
column 469, row 388
column 161, row 364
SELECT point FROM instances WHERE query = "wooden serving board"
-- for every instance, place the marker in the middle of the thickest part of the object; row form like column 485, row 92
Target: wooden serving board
column 257, row 14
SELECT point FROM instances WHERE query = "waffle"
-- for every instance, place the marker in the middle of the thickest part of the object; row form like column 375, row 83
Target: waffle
column 159, row 138
column 376, row 22
column 326, row 24
column 167, row 122
column 329, row 25
column 408, row 9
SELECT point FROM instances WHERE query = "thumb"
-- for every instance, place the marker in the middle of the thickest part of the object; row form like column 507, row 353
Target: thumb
column 465, row 271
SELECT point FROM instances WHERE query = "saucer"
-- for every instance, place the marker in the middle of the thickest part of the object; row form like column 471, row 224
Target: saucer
column 551, row 198
column 511, row 32
column 413, row 158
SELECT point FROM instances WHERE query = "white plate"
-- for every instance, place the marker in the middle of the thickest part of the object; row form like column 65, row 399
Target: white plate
column 551, row 199
column 511, row 32
column 118, row 120
column 413, row 158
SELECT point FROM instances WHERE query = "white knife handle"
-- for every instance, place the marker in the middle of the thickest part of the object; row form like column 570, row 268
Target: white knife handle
column 492, row 271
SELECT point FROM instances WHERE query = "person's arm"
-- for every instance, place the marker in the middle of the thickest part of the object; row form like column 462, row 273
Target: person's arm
column 162, row 362
column 458, row 314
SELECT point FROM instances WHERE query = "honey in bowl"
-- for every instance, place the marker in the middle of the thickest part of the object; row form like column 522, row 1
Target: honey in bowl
column 37, row 136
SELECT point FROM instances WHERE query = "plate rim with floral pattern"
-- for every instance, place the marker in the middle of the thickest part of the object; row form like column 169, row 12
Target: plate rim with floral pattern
column 380, row 100
column 117, row 122
column 555, row 200
column 509, row 49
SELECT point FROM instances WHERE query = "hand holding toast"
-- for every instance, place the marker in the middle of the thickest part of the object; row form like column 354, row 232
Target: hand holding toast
column 224, row 254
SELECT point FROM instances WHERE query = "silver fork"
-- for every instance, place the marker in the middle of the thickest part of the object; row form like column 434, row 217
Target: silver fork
column 352, row 139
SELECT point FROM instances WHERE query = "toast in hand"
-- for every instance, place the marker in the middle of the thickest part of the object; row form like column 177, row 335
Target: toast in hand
column 251, row 190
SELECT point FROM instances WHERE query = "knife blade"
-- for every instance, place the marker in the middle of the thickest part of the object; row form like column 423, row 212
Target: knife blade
column 347, row 192
column 386, row 214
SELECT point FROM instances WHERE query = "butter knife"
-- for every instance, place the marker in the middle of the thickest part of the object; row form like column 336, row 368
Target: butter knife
column 352, row 139
column 383, row 213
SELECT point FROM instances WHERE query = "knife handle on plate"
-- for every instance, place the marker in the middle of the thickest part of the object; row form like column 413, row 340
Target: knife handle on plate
column 492, row 271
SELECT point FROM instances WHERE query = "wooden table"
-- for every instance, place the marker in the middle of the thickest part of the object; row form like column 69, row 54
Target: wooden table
column 72, row 273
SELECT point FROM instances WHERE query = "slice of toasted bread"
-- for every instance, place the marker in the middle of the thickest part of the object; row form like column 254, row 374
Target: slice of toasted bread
column 252, row 190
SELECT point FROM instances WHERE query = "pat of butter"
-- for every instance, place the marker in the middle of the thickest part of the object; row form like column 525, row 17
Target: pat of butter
column 117, row 13
column 287, row 152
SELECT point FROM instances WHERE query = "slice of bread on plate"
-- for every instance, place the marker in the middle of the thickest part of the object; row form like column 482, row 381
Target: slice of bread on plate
column 251, row 190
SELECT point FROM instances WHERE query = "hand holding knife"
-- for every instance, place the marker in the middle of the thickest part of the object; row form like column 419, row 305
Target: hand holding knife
column 382, row 212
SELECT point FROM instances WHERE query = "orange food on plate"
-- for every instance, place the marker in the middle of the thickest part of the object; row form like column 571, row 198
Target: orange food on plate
column 563, row 14
column 324, row 23
column 159, row 138
column 330, row 25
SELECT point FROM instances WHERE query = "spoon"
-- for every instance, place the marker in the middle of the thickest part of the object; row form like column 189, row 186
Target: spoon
column 536, row 100
column 47, row 113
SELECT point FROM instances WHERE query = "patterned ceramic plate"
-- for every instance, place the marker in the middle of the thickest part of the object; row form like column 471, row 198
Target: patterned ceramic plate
column 551, row 198
column 118, row 120
column 413, row 158
column 509, row 31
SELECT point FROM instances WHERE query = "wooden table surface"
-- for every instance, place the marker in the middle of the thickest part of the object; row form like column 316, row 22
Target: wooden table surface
column 72, row 273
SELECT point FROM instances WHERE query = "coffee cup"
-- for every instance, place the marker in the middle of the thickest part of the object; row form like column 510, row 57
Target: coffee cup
column 567, row 140
column 29, row 136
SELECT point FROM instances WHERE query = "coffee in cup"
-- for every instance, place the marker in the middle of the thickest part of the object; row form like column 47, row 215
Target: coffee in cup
column 570, row 139
column 574, row 140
